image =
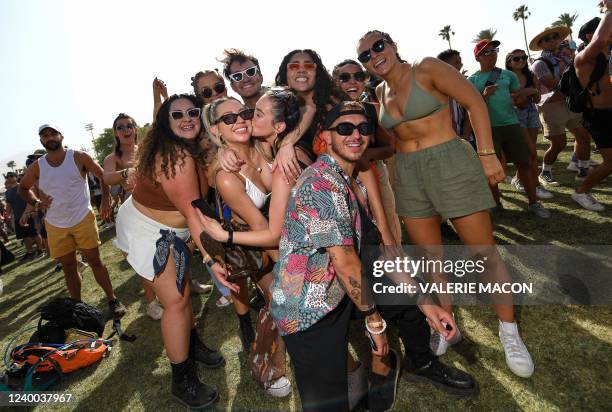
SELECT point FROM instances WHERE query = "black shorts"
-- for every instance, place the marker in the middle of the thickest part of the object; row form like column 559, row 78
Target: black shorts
column 22, row 232
column 511, row 141
column 599, row 123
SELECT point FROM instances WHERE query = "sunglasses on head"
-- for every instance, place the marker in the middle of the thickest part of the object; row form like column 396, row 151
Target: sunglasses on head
column 231, row 118
column 306, row 66
column 346, row 77
column 346, row 128
column 192, row 113
column 239, row 76
column 128, row 126
column 519, row 58
column 207, row 92
column 490, row 52
column 378, row 47
column 550, row 37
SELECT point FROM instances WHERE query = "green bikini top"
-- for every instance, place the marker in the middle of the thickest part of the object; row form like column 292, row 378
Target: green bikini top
column 419, row 104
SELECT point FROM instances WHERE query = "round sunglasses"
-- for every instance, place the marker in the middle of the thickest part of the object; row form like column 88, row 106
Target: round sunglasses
column 346, row 77
column 231, row 118
column 192, row 113
column 366, row 55
column 207, row 92
column 240, row 76
column 346, row 128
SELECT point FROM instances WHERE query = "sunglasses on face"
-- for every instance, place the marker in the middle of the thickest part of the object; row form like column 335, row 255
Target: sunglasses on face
column 239, row 76
column 296, row 66
column 231, row 118
column 550, row 37
column 207, row 92
column 519, row 58
column 128, row 126
column 346, row 128
column 490, row 52
column 366, row 55
column 192, row 113
column 346, row 77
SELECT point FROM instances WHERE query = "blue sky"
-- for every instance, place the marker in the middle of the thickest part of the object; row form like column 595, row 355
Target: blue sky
column 78, row 62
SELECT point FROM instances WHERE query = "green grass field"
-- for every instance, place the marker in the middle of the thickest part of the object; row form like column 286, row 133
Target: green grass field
column 571, row 345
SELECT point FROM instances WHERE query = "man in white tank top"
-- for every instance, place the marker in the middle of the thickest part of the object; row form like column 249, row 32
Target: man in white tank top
column 70, row 221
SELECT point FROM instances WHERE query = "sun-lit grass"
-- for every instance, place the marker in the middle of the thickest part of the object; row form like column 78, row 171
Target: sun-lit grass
column 571, row 345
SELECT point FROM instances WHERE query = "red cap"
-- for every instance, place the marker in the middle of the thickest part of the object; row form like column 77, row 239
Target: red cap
column 480, row 46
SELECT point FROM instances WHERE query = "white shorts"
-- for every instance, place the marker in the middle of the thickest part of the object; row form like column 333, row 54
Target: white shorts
column 137, row 235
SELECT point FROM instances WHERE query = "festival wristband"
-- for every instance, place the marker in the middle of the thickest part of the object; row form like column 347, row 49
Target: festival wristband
column 378, row 332
column 124, row 173
column 369, row 311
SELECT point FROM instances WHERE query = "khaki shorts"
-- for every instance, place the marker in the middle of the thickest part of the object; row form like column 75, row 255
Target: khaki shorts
column 83, row 235
column 511, row 142
column 556, row 117
column 445, row 180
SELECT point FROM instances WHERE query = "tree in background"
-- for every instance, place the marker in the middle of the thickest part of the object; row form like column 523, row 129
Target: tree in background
column 11, row 165
column 566, row 20
column 485, row 34
column 104, row 144
column 445, row 33
column 523, row 13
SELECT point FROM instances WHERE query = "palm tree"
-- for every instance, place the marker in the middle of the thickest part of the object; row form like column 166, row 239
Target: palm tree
column 485, row 34
column 523, row 13
column 566, row 20
column 11, row 165
column 445, row 33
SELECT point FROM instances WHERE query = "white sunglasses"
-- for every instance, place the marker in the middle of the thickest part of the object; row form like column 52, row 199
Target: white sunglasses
column 239, row 76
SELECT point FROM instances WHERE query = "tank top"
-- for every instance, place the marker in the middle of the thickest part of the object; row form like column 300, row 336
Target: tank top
column 69, row 191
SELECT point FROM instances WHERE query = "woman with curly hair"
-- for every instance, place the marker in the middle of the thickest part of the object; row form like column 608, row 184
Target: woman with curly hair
column 154, row 227
column 527, row 113
column 438, row 176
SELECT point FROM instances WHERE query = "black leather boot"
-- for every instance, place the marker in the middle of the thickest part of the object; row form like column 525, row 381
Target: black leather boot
column 198, row 351
column 187, row 388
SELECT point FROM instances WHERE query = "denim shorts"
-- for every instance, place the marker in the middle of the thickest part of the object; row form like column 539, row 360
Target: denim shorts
column 528, row 116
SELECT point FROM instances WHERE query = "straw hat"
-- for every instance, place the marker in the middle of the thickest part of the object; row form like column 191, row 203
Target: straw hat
column 562, row 31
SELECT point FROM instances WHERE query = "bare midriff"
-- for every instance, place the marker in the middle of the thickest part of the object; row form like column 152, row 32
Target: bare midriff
column 170, row 218
column 414, row 135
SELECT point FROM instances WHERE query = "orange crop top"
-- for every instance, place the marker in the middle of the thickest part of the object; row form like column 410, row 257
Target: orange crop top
column 151, row 194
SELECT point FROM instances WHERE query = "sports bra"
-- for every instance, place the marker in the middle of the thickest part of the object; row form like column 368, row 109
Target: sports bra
column 257, row 196
column 419, row 104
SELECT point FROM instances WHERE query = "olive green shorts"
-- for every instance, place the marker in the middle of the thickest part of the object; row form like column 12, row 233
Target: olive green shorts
column 511, row 141
column 444, row 180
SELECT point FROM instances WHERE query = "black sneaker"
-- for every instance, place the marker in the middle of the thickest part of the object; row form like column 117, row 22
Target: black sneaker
column 28, row 256
column 190, row 392
column 383, row 389
column 447, row 378
column 116, row 308
column 209, row 358
column 547, row 180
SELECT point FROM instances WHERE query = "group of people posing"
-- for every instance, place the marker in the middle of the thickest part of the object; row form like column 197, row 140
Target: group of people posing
column 287, row 189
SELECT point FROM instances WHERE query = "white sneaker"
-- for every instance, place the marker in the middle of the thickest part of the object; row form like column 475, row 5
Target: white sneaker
column 572, row 166
column 197, row 287
column 439, row 345
column 518, row 358
column 542, row 193
column 518, row 185
column 357, row 386
column 223, row 302
column 587, row 201
column 155, row 310
column 280, row 387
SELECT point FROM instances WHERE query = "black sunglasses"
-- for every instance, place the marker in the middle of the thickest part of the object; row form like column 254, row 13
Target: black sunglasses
column 231, row 118
column 519, row 58
column 179, row 114
column 550, row 37
column 378, row 47
column 346, row 77
column 207, row 92
column 129, row 126
column 346, row 128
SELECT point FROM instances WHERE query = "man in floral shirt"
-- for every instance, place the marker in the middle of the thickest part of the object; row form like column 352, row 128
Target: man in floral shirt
column 319, row 265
